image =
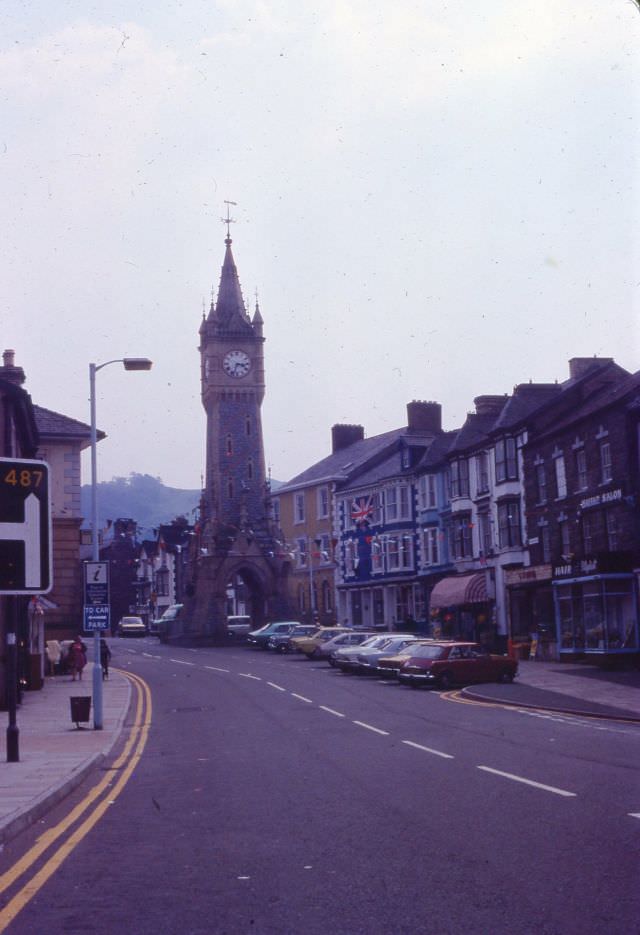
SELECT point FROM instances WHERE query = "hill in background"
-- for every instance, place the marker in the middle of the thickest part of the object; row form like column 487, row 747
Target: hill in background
column 144, row 499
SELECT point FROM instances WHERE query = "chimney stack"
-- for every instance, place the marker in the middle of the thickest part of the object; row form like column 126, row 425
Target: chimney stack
column 9, row 371
column 489, row 405
column 344, row 435
column 578, row 366
column 424, row 416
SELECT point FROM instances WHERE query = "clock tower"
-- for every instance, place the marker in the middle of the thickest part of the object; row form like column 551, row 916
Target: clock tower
column 233, row 384
column 237, row 563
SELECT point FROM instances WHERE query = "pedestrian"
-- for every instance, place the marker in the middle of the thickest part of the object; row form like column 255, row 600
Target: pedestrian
column 77, row 658
column 105, row 656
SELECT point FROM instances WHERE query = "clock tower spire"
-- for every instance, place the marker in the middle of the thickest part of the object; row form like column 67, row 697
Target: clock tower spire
column 237, row 563
column 233, row 385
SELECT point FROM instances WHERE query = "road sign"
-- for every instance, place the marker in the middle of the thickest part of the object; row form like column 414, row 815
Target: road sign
column 25, row 527
column 96, row 583
column 96, row 596
column 96, row 617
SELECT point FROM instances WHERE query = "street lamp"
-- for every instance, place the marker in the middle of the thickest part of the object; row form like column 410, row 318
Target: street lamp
column 129, row 363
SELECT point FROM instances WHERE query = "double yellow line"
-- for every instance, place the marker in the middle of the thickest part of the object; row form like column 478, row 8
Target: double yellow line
column 127, row 762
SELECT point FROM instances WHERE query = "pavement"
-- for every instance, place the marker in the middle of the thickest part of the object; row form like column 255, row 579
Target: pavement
column 55, row 755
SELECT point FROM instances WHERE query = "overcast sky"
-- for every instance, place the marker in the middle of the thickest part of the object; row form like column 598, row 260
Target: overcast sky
column 435, row 200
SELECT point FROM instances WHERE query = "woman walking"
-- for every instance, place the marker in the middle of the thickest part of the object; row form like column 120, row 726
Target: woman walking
column 77, row 658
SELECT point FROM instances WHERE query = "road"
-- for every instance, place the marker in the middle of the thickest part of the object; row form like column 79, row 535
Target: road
column 273, row 795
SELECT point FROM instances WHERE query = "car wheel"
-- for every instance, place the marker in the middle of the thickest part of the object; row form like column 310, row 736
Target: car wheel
column 446, row 681
column 506, row 677
column 331, row 662
column 281, row 648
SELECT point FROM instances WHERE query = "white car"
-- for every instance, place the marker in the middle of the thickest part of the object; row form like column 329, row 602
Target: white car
column 132, row 626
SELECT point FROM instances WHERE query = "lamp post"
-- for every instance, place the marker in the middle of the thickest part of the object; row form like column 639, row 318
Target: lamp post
column 129, row 363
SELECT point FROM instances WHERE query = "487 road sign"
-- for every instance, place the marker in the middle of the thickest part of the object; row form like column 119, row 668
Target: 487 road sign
column 25, row 527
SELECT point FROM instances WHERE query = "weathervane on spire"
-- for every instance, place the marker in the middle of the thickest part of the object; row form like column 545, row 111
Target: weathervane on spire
column 229, row 220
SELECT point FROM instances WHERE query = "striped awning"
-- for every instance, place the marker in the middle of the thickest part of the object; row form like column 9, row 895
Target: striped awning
column 459, row 589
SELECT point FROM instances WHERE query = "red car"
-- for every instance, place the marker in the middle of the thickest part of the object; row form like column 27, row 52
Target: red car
column 448, row 664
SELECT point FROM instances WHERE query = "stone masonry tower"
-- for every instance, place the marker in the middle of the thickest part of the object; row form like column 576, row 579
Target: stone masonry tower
column 236, row 539
column 232, row 379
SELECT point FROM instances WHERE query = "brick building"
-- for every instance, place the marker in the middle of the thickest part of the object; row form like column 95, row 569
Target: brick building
column 582, row 493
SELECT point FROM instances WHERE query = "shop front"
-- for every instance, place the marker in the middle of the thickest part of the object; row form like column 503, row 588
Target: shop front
column 531, row 615
column 460, row 608
column 596, row 613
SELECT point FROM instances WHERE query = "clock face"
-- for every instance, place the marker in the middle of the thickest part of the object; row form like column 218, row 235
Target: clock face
column 236, row 364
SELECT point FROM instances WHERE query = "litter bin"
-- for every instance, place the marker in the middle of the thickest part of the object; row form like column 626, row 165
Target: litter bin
column 80, row 709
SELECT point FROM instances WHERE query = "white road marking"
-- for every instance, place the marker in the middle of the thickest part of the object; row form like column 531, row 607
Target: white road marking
column 279, row 687
column 302, row 698
column 376, row 730
column 418, row 746
column 181, row 662
column 634, row 814
column 151, row 656
column 245, row 675
column 216, row 669
column 330, row 711
column 528, row 782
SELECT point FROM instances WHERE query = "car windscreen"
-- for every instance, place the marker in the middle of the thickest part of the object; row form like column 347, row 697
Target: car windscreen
column 425, row 652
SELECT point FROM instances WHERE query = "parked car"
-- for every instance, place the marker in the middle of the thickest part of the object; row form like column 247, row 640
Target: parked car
column 239, row 626
column 366, row 662
column 259, row 638
column 388, row 666
column 163, row 623
column 345, row 657
column 351, row 640
column 281, row 642
column 132, row 626
column 306, row 644
column 446, row 664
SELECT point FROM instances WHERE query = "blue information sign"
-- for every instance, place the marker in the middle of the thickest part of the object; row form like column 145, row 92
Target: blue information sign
column 96, row 617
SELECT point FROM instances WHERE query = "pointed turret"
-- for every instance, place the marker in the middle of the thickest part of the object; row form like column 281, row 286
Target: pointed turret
column 257, row 321
column 230, row 311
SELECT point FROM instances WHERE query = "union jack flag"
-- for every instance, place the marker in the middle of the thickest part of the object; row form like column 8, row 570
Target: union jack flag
column 361, row 509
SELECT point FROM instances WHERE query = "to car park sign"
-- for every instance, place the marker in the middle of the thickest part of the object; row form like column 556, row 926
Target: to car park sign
column 25, row 527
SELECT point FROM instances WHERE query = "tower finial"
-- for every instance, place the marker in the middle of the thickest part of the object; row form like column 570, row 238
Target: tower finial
column 229, row 220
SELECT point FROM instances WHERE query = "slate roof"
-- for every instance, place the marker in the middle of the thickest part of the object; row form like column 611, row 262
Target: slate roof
column 391, row 466
column 438, row 451
column 526, row 398
column 341, row 464
column 601, row 398
column 54, row 425
column 474, row 432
